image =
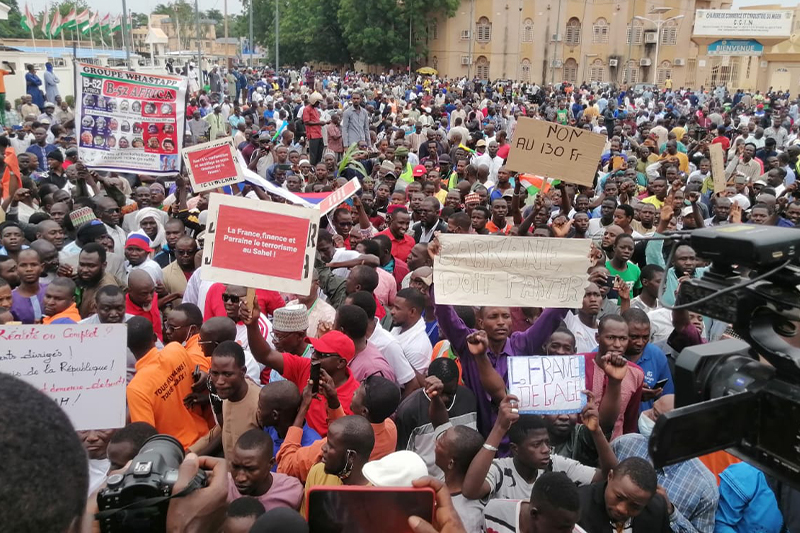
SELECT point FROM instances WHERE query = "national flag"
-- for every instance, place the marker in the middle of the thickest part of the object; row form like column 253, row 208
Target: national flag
column 46, row 22
column 466, row 149
column 27, row 21
column 92, row 25
column 56, row 24
column 115, row 26
column 82, row 19
column 536, row 184
column 68, row 22
column 105, row 23
column 313, row 197
column 279, row 131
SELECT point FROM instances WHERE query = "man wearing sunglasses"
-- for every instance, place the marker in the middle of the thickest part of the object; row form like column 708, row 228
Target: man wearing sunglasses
column 333, row 352
column 177, row 273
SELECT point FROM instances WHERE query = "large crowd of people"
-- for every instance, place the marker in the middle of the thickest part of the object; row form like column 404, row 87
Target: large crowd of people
column 398, row 372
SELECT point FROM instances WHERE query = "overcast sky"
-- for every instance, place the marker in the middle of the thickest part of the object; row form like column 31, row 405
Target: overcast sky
column 139, row 6
column 235, row 6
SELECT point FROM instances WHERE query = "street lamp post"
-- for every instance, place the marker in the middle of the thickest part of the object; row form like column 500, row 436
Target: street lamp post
column 658, row 23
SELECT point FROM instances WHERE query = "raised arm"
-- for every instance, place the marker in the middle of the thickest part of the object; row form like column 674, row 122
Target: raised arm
column 262, row 352
column 605, row 455
column 475, row 485
column 491, row 381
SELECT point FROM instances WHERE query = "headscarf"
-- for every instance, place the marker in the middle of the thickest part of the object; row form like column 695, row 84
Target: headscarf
column 48, row 66
column 156, row 214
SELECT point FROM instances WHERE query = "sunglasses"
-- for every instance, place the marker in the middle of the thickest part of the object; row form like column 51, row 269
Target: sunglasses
column 232, row 298
column 323, row 355
column 188, row 253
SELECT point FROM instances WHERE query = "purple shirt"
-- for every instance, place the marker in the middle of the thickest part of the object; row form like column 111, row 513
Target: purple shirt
column 371, row 361
column 285, row 491
column 527, row 342
column 28, row 310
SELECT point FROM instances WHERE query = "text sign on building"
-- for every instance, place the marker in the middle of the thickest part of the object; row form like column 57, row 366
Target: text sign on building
column 748, row 47
column 742, row 24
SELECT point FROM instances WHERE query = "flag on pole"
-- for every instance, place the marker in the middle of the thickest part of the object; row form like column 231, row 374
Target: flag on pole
column 105, row 23
column 68, row 22
column 56, row 24
column 129, row 22
column 82, row 19
column 46, row 22
column 28, row 22
column 115, row 26
column 92, row 24
column 535, row 184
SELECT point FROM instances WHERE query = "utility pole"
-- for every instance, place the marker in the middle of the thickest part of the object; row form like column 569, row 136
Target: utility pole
column 277, row 37
column 250, row 63
column 124, row 29
column 199, row 47
column 225, row 22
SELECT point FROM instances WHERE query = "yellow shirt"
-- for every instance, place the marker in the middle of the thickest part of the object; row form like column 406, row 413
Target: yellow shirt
column 318, row 478
column 655, row 201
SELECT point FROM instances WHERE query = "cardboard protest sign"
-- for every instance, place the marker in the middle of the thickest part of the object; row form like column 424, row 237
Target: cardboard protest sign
column 717, row 167
column 80, row 366
column 555, row 151
column 548, row 384
column 213, row 164
column 511, row 271
column 260, row 244
column 338, row 196
column 129, row 121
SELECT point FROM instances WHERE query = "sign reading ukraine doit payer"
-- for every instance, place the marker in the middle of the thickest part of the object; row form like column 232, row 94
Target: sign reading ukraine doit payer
column 259, row 244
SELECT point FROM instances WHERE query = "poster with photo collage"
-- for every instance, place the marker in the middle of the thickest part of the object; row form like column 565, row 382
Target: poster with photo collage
column 130, row 121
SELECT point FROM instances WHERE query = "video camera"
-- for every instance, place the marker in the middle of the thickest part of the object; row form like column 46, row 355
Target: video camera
column 137, row 501
column 726, row 398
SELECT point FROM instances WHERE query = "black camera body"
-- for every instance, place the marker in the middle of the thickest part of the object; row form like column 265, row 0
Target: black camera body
column 725, row 397
column 137, row 501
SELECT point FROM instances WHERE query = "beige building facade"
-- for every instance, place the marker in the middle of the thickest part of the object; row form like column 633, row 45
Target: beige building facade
column 605, row 41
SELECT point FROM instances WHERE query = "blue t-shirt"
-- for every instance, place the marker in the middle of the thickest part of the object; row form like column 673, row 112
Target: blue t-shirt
column 656, row 367
column 309, row 436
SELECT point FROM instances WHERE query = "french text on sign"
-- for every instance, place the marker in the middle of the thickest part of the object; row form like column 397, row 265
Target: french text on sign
column 548, row 384
column 80, row 366
column 511, row 271
column 555, row 151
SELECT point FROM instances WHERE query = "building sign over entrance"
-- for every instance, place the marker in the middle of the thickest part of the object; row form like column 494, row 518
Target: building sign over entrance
column 742, row 23
column 748, row 47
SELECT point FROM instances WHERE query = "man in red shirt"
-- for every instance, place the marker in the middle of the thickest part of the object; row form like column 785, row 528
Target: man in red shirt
column 402, row 242
column 333, row 352
column 721, row 139
column 313, row 125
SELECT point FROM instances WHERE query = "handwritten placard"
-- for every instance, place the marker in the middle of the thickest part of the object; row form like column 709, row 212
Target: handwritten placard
column 265, row 245
column 555, row 151
column 80, row 366
column 717, row 167
column 511, row 271
column 548, row 384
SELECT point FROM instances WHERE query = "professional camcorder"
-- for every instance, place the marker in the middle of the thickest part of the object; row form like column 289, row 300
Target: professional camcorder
column 725, row 397
column 137, row 500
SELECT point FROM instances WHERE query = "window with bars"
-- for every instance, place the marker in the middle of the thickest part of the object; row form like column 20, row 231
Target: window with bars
column 669, row 33
column 571, row 70
column 572, row 37
column 632, row 72
column 483, row 30
column 482, row 68
column 664, row 72
column 600, row 31
column 635, row 33
column 691, row 72
column 527, row 31
column 597, row 71
column 724, row 71
column 433, row 30
column 525, row 70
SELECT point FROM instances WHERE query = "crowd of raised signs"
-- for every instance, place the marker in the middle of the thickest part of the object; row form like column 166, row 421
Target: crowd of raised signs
column 408, row 388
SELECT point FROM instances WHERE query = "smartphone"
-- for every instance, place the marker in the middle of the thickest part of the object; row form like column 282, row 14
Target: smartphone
column 612, row 293
column 360, row 509
column 314, row 377
column 660, row 384
column 196, row 374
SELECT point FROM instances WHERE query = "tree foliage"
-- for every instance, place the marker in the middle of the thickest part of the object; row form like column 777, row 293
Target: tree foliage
column 11, row 28
column 343, row 31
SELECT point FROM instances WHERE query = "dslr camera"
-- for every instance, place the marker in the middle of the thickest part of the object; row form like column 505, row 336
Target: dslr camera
column 726, row 398
column 137, row 501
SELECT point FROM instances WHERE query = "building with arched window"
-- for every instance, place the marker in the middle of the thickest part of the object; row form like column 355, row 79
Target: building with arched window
column 619, row 42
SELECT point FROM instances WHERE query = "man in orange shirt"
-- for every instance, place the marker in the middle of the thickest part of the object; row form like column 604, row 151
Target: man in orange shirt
column 376, row 400
column 59, row 303
column 156, row 392
column 183, row 326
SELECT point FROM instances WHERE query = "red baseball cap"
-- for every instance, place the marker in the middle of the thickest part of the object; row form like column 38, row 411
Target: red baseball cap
column 418, row 171
column 335, row 342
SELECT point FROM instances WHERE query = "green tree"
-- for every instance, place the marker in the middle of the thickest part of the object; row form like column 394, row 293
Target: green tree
column 310, row 31
column 214, row 14
column 139, row 20
column 11, row 28
column 181, row 12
